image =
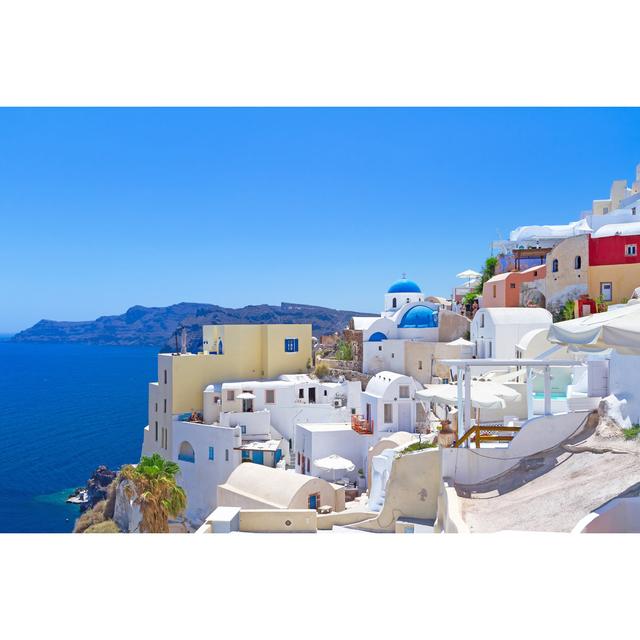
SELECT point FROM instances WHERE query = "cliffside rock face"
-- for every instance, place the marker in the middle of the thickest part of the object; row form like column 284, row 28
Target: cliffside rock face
column 155, row 326
column 612, row 418
column 127, row 515
column 97, row 486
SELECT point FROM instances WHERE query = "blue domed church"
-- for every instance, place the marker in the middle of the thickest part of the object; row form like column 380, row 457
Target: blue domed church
column 408, row 318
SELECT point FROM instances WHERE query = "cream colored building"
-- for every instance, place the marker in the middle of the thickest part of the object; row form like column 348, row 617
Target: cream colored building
column 567, row 276
column 619, row 191
column 253, row 486
column 231, row 352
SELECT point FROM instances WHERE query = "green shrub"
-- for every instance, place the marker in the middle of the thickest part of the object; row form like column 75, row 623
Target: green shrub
column 632, row 432
column 418, row 446
column 344, row 351
column 108, row 526
column 321, row 371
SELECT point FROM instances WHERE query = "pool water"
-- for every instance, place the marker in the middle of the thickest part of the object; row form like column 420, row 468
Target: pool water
column 555, row 395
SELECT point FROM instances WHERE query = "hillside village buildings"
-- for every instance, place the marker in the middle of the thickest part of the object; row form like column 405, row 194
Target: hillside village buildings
column 386, row 442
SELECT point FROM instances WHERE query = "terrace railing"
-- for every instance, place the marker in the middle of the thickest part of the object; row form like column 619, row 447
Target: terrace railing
column 361, row 425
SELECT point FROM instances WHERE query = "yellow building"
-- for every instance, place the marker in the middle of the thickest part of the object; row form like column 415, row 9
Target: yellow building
column 230, row 353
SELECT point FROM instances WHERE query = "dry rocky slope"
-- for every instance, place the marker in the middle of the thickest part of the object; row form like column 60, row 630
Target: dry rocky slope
column 554, row 489
column 155, row 326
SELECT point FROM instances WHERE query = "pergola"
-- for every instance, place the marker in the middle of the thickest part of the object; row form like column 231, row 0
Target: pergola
column 463, row 368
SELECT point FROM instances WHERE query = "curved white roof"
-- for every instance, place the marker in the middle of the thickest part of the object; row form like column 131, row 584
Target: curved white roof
column 516, row 315
column 380, row 383
column 620, row 229
column 361, row 323
column 528, row 337
column 274, row 486
column 549, row 231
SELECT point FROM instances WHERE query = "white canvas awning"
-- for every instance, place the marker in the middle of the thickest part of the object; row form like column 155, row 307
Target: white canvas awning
column 334, row 462
column 245, row 395
column 618, row 328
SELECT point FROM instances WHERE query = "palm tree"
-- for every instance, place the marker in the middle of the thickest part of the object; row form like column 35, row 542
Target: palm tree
column 156, row 492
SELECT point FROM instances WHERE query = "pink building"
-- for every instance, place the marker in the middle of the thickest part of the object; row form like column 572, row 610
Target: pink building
column 505, row 289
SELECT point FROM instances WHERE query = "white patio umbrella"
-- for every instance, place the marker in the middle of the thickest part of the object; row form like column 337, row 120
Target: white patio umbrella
column 460, row 342
column 334, row 463
column 481, row 398
column 468, row 274
column 245, row 395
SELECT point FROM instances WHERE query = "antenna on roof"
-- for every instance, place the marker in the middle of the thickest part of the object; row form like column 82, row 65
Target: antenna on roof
column 404, row 275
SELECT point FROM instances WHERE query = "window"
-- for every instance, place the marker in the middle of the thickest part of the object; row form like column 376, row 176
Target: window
column 481, row 320
column 489, row 354
column 393, row 355
column 630, row 249
column 554, row 266
column 512, row 285
column 308, row 465
column 495, row 290
column 187, row 454
column 270, row 396
column 408, row 300
column 165, row 376
column 291, row 345
column 301, row 393
column 243, row 429
column 388, row 413
column 394, row 303
column 298, row 458
column 211, row 453
column 577, row 262
column 535, row 273
column 419, row 365
column 325, row 392
column 226, row 455
column 380, row 348
column 633, row 211
column 605, row 210
column 156, row 431
column 606, row 291
column 404, row 390
column 231, row 395
column 165, row 405
column 156, row 407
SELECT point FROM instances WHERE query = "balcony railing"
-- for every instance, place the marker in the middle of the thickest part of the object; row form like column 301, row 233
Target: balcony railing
column 361, row 425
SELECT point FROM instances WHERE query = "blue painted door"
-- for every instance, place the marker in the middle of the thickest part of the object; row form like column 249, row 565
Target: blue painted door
column 313, row 502
column 258, row 457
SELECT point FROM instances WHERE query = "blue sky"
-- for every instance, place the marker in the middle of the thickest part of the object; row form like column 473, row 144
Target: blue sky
column 101, row 209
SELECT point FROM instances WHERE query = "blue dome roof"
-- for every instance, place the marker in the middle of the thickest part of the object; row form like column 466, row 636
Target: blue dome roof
column 404, row 286
column 419, row 317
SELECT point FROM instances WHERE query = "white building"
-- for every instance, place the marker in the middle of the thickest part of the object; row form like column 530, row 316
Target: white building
column 389, row 405
column 250, row 421
column 496, row 331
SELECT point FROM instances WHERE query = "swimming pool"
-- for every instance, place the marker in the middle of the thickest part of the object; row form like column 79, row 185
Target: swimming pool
column 555, row 395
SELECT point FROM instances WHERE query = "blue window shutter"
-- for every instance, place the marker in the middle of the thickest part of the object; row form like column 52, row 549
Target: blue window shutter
column 211, row 453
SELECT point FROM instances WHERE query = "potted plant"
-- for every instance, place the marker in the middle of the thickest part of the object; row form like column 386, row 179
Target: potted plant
column 361, row 479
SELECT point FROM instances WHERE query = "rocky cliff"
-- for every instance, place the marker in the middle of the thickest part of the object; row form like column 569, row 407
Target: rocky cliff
column 155, row 326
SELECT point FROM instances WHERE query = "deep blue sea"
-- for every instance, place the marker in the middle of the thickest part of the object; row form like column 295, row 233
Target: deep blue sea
column 64, row 410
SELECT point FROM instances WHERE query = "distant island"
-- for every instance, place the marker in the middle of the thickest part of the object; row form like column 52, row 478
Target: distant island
column 156, row 326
